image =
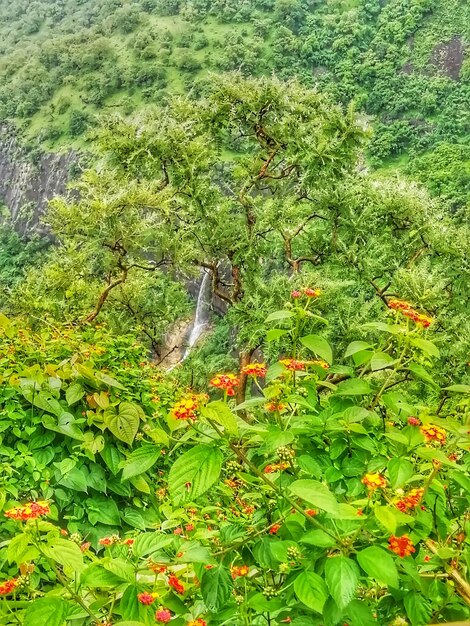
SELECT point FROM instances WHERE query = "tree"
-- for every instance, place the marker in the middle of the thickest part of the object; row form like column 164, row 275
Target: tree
column 258, row 183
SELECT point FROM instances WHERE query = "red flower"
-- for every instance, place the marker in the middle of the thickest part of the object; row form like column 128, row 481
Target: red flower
column 295, row 294
column 85, row 546
column 274, row 528
column 178, row 531
column 399, row 305
column 146, row 598
column 189, row 527
column 275, row 406
column 227, row 382
column 427, row 558
column 8, row 586
column 255, row 369
column 311, row 512
column 186, row 408
column 411, row 500
column 128, row 542
column 109, row 541
column 402, row 546
column 156, row 568
column 175, row 583
column 163, row 615
column 197, row 622
column 414, row 421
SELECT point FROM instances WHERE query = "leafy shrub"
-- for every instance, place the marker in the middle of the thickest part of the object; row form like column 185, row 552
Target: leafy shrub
column 337, row 494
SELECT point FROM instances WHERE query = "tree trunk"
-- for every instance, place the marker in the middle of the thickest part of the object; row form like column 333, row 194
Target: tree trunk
column 245, row 358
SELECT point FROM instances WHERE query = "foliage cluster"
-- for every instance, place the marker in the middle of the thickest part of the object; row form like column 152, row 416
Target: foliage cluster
column 403, row 62
column 338, row 493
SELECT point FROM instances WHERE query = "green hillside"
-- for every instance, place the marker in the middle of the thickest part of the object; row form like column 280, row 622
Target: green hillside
column 404, row 63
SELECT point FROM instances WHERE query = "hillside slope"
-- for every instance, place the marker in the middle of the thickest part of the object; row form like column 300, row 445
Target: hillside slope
column 404, row 62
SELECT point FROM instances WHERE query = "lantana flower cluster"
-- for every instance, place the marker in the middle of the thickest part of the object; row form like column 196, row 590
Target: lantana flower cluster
column 31, row 510
column 408, row 311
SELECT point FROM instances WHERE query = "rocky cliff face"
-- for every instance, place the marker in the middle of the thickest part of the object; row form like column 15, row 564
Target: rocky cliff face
column 26, row 185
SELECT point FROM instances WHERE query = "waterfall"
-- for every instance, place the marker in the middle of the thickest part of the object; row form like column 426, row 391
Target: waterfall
column 201, row 318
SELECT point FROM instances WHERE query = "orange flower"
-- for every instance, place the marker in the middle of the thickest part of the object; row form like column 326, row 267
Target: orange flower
column 311, row 512
column 321, row 363
column 163, row 615
column 402, row 546
column 399, row 305
column 411, row 500
column 240, row 570
column 175, row 583
column 275, row 467
column 197, row 622
column 295, row 294
column 8, row 586
column 128, row 542
column 274, row 528
column 186, row 408
column 255, row 369
column 414, row 421
column 293, row 365
column 374, row 481
column 31, row 510
column 275, row 406
column 434, row 433
column 227, row 382
column 312, row 293
column 156, row 568
column 109, row 541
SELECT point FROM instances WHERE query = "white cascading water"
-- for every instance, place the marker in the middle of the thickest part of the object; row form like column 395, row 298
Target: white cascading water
column 201, row 317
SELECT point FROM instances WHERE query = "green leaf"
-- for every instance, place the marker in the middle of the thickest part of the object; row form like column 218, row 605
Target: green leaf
column 74, row 393
column 279, row 315
column 67, row 553
column 75, row 479
column 393, row 329
column 420, row 372
column 219, row 412
column 103, row 510
column 149, row 543
column 318, row 538
column 379, row 564
column 95, row 576
column 20, row 551
column 458, row 388
column 139, row 461
column 418, row 609
column 311, row 590
column 431, row 454
column 342, row 577
column 387, row 517
column 360, row 614
column 315, row 493
column 125, row 424
column 426, row 346
column 356, row 346
column 216, row 588
column 194, row 552
column 381, row 360
column 130, row 607
column 275, row 333
column 47, row 611
column 193, row 473
column 319, row 346
column 112, row 457
column 127, row 623
column 134, row 519
column 400, row 471
column 108, row 380
column 353, row 387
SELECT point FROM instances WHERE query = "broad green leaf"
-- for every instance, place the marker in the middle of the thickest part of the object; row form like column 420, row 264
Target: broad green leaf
column 139, row 461
column 360, row 614
column 49, row 611
column 393, row 329
column 431, row 454
column 140, row 484
column 216, row 588
column 134, row 519
column 279, row 315
column 130, row 607
column 319, row 346
column 112, row 457
column 122, row 568
column 342, row 577
column 74, row 393
column 75, row 479
column 315, row 493
column 67, row 553
column 220, row 413
column 108, row 380
column 311, row 590
column 420, row 372
column 275, row 333
column 96, row 575
column 353, row 387
column 125, row 424
column 356, row 346
column 381, row 360
column 149, row 543
column 400, row 471
column 318, row 538
column 418, row 609
column 193, row 473
column 102, row 510
column 386, row 516
column 379, row 564
column 194, row 552
column 426, row 346
column 159, row 436
column 20, row 551
column 274, row 371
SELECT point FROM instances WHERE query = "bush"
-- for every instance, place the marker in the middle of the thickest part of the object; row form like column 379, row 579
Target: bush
column 337, row 493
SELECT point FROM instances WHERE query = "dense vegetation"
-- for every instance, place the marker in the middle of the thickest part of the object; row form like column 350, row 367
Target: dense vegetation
column 403, row 62
column 307, row 462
